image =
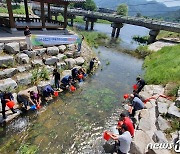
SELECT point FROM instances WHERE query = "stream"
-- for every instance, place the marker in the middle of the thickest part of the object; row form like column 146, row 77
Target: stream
column 75, row 121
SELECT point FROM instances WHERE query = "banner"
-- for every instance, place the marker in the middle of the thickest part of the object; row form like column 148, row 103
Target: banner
column 53, row 39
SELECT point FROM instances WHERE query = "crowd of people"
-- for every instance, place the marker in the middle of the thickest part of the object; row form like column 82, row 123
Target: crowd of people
column 33, row 99
column 125, row 125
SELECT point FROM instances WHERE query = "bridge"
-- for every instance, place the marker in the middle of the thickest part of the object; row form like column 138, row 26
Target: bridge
column 117, row 21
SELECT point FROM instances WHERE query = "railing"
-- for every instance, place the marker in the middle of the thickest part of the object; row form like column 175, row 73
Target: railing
column 54, row 21
column 4, row 22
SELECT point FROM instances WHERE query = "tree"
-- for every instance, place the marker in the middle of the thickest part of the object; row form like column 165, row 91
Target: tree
column 138, row 14
column 88, row 5
column 122, row 10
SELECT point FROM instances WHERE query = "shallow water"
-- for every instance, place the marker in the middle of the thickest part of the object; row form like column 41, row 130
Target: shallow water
column 74, row 119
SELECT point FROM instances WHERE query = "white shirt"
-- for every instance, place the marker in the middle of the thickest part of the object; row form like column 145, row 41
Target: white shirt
column 125, row 142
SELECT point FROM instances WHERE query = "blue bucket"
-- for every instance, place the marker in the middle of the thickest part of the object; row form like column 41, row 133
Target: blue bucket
column 33, row 107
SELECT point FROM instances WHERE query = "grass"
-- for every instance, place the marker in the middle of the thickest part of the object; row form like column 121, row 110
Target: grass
column 163, row 66
column 39, row 75
column 17, row 9
column 165, row 34
column 94, row 39
column 175, row 123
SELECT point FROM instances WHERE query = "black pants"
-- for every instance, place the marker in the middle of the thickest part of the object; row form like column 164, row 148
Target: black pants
column 119, row 152
column 4, row 109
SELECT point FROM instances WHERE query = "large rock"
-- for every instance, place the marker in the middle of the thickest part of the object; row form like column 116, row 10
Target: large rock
column 144, row 113
column 154, row 89
column 7, row 73
column 144, row 95
column 71, row 47
column 66, row 72
column 69, row 54
column 22, row 58
column 52, row 51
column 173, row 111
column 162, row 123
column 70, row 62
column 37, row 62
column 23, row 46
column 24, row 79
column 31, row 54
column 6, row 61
column 61, row 65
column 61, row 57
column 40, row 52
column 24, row 68
column 140, row 142
column 7, row 83
column 79, row 61
column 62, row 48
column 162, row 108
column 159, row 137
column 144, row 124
column 51, row 60
column 12, row 48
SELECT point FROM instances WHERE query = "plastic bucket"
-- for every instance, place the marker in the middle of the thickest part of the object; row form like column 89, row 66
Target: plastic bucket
column 10, row 104
column 72, row 88
column 135, row 86
column 106, row 136
column 80, row 76
column 126, row 96
column 33, row 107
column 38, row 107
column 56, row 94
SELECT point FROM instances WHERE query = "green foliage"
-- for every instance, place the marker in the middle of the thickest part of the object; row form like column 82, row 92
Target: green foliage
column 17, row 9
column 175, row 123
column 163, row 66
column 165, row 34
column 39, row 75
column 94, row 39
column 141, row 39
column 122, row 10
column 173, row 92
column 88, row 5
column 28, row 149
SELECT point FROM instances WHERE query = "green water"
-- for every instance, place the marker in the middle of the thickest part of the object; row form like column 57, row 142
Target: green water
column 74, row 119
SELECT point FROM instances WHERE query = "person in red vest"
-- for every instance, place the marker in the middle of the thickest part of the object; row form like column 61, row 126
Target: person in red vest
column 126, row 121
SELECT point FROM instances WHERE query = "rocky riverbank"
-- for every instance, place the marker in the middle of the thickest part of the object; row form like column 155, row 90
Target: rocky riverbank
column 18, row 66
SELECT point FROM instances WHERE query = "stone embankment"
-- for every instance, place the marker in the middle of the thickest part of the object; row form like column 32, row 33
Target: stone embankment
column 17, row 65
column 153, row 123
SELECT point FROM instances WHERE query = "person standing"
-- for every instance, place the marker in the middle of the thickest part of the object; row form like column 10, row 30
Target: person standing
column 91, row 65
column 27, row 33
column 6, row 97
column 124, row 140
column 80, row 40
column 140, row 83
column 56, row 75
